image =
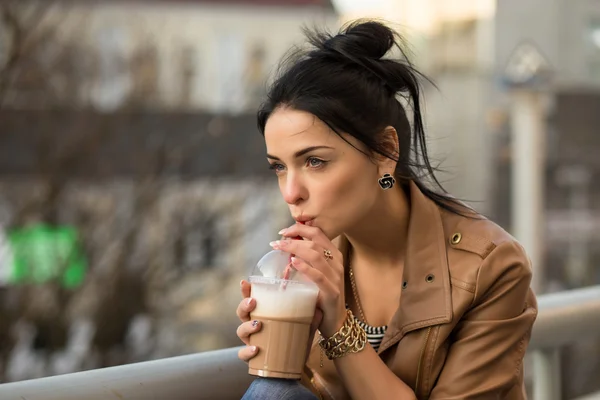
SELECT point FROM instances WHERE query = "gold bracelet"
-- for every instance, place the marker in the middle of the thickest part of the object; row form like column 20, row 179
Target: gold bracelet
column 351, row 338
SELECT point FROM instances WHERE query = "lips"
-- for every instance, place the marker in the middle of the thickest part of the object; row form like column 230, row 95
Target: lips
column 303, row 219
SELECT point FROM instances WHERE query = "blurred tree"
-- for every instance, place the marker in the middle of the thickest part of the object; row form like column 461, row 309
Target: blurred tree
column 42, row 69
column 25, row 39
column 21, row 37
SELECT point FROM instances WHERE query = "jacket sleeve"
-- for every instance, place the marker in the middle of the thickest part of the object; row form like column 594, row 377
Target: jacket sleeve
column 485, row 359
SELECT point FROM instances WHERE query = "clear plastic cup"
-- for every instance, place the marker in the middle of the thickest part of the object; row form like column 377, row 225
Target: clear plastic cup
column 285, row 307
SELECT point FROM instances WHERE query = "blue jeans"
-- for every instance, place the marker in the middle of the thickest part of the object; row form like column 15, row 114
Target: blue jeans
column 277, row 389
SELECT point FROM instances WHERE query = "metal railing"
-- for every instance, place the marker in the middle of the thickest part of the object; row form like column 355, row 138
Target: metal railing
column 564, row 317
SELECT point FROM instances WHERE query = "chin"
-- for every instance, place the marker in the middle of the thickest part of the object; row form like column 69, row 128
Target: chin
column 330, row 231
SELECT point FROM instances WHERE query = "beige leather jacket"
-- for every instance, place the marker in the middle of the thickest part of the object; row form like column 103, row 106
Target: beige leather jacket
column 465, row 316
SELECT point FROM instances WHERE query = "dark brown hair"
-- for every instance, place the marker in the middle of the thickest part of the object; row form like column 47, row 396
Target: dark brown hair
column 346, row 82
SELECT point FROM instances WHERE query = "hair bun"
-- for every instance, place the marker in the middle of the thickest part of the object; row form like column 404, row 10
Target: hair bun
column 362, row 39
column 363, row 44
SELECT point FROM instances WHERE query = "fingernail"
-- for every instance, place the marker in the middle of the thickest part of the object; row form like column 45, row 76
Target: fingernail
column 283, row 231
column 241, row 283
column 294, row 260
column 275, row 244
column 253, row 348
column 249, row 301
column 254, row 323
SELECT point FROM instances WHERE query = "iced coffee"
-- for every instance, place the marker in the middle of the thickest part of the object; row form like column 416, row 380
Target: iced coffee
column 285, row 308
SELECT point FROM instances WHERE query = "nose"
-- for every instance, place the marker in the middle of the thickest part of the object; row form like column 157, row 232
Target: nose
column 293, row 189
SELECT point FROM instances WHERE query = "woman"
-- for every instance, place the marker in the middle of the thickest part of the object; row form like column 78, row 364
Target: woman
column 442, row 293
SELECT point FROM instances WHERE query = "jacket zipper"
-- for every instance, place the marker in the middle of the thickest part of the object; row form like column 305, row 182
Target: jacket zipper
column 421, row 360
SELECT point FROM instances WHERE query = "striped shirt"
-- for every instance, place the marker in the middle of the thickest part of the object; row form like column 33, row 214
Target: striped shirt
column 374, row 333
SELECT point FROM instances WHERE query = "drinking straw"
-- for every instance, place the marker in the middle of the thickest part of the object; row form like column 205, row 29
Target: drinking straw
column 288, row 268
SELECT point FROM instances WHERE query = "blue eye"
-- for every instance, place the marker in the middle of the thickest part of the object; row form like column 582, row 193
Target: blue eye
column 276, row 167
column 315, row 162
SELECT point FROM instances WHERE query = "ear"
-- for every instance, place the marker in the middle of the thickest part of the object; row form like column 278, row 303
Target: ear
column 392, row 146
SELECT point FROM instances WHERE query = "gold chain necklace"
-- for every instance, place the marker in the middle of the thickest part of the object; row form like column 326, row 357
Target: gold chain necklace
column 355, row 293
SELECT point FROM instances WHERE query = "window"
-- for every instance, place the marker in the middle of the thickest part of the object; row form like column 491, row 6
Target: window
column 114, row 81
column 595, row 34
column 593, row 42
column 197, row 243
column 188, row 73
column 5, row 44
column 256, row 75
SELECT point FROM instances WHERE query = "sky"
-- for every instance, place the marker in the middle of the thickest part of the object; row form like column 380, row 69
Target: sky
column 423, row 15
column 356, row 6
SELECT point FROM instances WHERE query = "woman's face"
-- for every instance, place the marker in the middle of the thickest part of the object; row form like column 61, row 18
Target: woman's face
column 322, row 178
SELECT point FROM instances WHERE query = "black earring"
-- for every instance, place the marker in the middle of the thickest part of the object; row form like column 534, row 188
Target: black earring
column 387, row 181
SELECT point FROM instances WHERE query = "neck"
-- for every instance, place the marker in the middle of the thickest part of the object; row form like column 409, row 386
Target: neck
column 379, row 240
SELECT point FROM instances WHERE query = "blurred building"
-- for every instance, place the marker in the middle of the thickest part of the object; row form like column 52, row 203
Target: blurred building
column 460, row 62
column 194, row 55
column 565, row 32
column 564, row 41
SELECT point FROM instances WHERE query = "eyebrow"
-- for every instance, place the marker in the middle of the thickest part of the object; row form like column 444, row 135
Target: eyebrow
column 302, row 152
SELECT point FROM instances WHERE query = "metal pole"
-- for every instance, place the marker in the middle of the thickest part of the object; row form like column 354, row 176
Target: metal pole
column 547, row 374
column 528, row 157
column 576, row 178
column 528, row 162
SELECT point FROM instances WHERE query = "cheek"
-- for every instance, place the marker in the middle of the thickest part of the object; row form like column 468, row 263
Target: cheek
column 347, row 200
column 343, row 191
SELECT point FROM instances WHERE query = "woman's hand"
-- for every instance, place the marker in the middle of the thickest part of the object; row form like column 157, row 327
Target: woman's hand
column 328, row 273
column 247, row 327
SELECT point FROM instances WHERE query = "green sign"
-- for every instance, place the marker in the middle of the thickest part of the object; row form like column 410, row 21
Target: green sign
column 42, row 253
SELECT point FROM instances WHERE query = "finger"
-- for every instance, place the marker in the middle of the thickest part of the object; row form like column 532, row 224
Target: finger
column 312, row 233
column 246, row 329
column 313, row 255
column 313, row 329
column 317, row 319
column 316, row 252
column 245, row 308
column 245, row 288
column 248, row 352
column 325, row 285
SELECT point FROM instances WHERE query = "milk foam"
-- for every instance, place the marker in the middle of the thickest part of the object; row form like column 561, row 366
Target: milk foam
column 295, row 301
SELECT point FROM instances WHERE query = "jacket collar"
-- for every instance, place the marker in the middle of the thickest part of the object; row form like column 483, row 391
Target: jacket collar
column 426, row 296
